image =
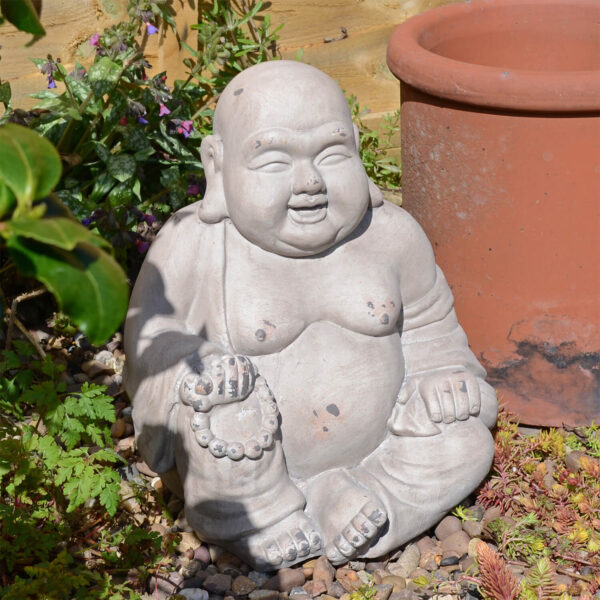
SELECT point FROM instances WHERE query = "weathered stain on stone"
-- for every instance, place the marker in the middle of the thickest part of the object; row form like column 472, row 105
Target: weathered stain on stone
column 332, row 409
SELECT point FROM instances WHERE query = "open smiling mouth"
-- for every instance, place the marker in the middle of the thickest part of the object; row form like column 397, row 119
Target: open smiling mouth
column 308, row 214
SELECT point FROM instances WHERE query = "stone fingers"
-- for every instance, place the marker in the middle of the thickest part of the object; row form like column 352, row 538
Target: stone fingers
column 234, row 378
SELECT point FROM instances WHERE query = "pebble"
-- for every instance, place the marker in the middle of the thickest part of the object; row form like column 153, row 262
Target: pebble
column 188, row 541
column 193, row 593
column 323, row 570
column 125, row 446
column 348, row 579
column 491, row 514
column 456, row 542
column 218, row 584
column 430, row 559
column 258, row 577
column 118, row 428
column 447, row 526
column 405, row 594
column 243, row 585
column 285, row 580
column 398, row 583
column 572, row 460
column 264, row 595
column 425, row 544
column 93, row 368
column 408, row 561
column 202, row 554
column 384, row 591
column 315, row 588
column 472, row 528
column 452, row 559
column 335, row 589
column 189, row 567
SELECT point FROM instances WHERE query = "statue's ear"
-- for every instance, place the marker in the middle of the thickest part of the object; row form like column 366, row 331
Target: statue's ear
column 356, row 137
column 213, row 207
column 375, row 194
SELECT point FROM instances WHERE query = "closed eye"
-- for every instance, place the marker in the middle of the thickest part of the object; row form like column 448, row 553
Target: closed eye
column 333, row 156
column 273, row 166
column 270, row 161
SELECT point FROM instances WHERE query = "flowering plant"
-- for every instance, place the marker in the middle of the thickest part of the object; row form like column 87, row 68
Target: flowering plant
column 129, row 142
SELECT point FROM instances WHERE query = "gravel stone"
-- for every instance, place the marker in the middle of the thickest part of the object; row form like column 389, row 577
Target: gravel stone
column 258, row 577
column 447, row 526
column 456, row 542
column 218, row 584
column 384, row 591
column 335, row 589
column 243, row 585
column 472, row 528
column 408, row 561
column 264, row 595
column 285, row 580
column 194, row 593
column 323, row 570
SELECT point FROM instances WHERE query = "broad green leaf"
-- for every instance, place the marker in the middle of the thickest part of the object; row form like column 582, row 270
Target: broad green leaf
column 7, row 200
column 22, row 14
column 104, row 75
column 88, row 284
column 58, row 231
column 121, row 166
column 29, row 164
column 120, row 194
column 102, row 185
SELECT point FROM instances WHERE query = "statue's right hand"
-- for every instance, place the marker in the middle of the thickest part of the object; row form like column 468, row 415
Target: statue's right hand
column 220, row 380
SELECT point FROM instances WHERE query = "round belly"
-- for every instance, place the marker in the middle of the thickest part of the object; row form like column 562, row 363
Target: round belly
column 335, row 390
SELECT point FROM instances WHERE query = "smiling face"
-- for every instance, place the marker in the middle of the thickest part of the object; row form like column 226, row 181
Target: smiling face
column 292, row 176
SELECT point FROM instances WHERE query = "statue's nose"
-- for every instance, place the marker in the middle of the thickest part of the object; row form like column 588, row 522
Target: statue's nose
column 307, row 179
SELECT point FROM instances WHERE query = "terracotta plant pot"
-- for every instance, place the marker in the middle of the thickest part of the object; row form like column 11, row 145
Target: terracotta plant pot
column 501, row 161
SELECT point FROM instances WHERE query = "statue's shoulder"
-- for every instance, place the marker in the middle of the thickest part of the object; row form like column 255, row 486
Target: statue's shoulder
column 185, row 228
column 396, row 226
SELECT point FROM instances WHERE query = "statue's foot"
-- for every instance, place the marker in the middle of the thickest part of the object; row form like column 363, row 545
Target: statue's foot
column 357, row 535
column 282, row 544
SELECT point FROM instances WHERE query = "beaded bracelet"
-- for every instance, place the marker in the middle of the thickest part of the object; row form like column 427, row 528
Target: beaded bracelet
column 252, row 448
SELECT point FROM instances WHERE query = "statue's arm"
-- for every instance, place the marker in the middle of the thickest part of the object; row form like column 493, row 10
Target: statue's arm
column 440, row 368
column 164, row 332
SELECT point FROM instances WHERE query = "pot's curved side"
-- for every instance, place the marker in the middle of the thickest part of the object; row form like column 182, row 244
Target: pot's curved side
column 511, row 202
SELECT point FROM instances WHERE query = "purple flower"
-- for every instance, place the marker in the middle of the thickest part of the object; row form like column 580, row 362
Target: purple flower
column 142, row 120
column 94, row 40
column 186, row 128
column 193, row 189
column 149, row 219
column 51, row 82
column 150, row 29
column 163, row 111
column 86, row 222
column 142, row 247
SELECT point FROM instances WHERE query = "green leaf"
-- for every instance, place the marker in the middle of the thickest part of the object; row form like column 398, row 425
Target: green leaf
column 5, row 93
column 22, row 14
column 58, row 231
column 29, row 164
column 121, row 166
column 7, row 200
column 88, row 284
column 120, row 194
column 104, row 75
column 102, row 185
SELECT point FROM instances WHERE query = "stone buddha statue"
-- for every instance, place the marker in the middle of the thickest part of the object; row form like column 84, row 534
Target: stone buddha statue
column 293, row 350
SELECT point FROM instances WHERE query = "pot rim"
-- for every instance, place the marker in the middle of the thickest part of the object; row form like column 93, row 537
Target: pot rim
column 493, row 87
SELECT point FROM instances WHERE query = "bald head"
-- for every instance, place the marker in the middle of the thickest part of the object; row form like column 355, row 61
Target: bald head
column 279, row 94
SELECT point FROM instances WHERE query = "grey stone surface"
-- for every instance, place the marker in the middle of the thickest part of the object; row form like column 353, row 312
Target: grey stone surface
column 292, row 347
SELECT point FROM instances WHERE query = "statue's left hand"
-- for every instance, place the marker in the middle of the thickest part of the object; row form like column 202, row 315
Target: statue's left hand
column 222, row 379
column 449, row 394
